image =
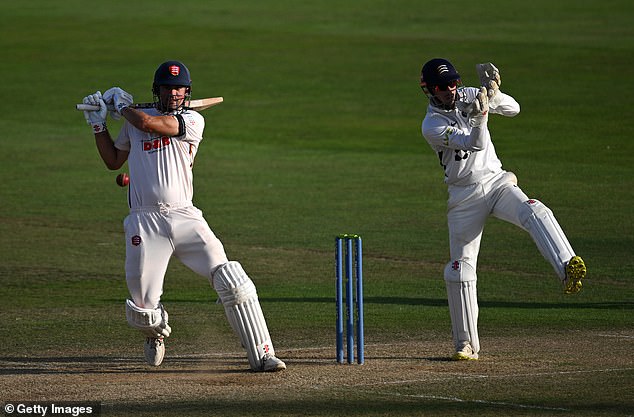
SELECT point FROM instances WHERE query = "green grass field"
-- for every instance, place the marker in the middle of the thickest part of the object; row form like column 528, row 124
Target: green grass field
column 319, row 134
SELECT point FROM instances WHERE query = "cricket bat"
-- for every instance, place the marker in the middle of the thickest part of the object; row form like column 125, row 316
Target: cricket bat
column 200, row 104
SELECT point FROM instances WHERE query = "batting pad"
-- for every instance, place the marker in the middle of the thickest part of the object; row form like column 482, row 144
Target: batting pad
column 151, row 322
column 461, row 279
column 550, row 239
column 239, row 297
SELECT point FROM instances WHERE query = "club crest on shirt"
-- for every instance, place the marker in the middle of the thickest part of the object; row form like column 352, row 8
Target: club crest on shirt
column 189, row 119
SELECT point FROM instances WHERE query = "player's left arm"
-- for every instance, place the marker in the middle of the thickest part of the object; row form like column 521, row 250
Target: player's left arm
column 499, row 103
column 504, row 104
column 166, row 125
column 441, row 132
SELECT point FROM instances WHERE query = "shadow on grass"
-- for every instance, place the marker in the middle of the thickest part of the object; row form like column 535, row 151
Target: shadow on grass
column 353, row 404
column 117, row 365
column 441, row 302
column 348, row 404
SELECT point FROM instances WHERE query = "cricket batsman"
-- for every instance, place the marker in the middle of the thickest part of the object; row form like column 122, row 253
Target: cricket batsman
column 160, row 145
column 456, row 128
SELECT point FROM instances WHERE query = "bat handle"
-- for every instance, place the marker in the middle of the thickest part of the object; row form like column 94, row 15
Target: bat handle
column 90, row 107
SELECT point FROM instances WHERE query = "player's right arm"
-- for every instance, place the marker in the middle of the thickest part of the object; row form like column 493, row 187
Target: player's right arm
column 440, row 133
column 442, row 130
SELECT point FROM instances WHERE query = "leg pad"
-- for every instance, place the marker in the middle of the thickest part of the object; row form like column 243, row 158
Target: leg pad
column 239, row 297
column 460, row 279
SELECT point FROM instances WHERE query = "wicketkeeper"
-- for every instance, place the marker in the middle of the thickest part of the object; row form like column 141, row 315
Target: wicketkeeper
column 456, row 128
column 160, row 145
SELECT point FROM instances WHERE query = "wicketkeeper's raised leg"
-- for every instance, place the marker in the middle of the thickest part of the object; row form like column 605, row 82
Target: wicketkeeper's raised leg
column 540, row 222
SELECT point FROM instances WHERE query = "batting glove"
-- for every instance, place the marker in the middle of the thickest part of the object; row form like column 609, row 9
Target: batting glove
column 96, row 118
column 119, row 98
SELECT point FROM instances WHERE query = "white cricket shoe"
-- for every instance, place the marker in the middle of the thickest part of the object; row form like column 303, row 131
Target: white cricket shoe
column 154, row 349
column 466, row 353
column 272, row 364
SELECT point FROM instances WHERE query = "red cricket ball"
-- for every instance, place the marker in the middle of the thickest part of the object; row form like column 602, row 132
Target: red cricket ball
column 123, row 179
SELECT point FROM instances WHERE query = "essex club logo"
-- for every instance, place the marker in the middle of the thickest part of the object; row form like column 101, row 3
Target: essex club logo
column 175, row 70
column 136, row 240
column 455, row 265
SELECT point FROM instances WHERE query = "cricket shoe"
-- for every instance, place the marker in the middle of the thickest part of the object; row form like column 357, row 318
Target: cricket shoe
column 272, row 364
column 154, row 348
column 466, row 353
column 575, row 272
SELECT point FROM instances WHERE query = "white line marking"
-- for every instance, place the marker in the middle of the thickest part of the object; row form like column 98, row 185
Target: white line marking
column 617, row 336
column 444, row 376
column 460, row 400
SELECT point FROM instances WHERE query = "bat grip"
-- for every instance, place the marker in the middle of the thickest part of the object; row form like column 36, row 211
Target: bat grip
column 90, row 107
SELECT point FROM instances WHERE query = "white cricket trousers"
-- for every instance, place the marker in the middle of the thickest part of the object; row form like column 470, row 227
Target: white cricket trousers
column 469, row 207
column 153, row 235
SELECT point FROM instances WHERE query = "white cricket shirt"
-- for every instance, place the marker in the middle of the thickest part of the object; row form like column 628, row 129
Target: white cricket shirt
column 448, row 133
column 161, row 166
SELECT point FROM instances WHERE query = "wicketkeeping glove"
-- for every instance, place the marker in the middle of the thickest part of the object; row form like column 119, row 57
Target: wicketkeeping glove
column 489, row 77
column 119, row 98
column 96, row 118
column 478, row 109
